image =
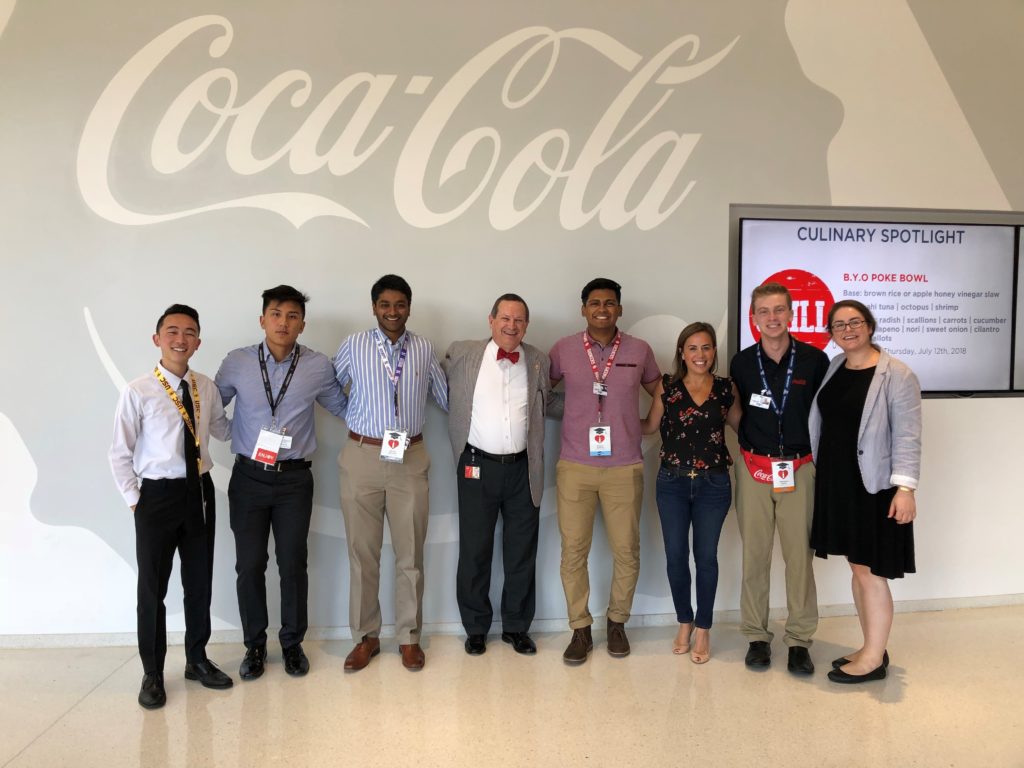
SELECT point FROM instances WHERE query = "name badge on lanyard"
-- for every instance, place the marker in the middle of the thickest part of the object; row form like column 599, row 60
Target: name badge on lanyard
column 599, row 436
column 271, row 441
column 393, row 445
column 783, row 476
column 268, row 446
column 394, row 441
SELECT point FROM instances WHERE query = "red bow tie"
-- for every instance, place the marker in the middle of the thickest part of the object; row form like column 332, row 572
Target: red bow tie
column 512, row 357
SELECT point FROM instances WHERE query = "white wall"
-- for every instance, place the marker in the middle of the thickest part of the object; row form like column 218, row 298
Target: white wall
column 863, row 103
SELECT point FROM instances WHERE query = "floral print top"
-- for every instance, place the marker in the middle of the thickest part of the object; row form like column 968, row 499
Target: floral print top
column 692, row 435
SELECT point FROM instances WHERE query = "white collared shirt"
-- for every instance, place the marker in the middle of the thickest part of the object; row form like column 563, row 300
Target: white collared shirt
column 498, row 421
column 149, row 433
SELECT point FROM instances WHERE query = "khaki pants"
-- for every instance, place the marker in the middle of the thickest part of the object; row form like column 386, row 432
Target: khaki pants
column 760, row 511
column 620, row 491
column 371, row 490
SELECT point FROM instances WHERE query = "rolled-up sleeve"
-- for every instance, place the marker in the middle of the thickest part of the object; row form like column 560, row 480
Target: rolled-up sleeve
column 904, row 396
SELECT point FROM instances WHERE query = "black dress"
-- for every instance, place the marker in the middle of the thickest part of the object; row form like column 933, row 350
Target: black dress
column 847, row 519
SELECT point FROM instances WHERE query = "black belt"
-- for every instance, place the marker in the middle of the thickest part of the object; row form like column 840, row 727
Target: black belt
column 287, row 465
column 364, row 440
column 690, row 472
column 498, row 458
column 169, row 482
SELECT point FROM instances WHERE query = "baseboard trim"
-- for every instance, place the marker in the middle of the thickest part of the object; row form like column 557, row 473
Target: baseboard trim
column 234, row 636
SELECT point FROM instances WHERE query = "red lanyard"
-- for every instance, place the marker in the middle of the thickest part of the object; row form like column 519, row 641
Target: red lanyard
column 601, row 377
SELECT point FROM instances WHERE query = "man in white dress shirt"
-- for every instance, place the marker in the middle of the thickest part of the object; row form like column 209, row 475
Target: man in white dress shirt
column 161, row 462
column 498, row 392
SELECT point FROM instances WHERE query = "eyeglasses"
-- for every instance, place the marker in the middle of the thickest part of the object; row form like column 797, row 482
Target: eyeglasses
column 839, row 325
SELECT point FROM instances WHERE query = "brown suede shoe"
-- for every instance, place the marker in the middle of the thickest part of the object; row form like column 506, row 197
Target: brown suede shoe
column 360, row 656
column 412, row 656
column 618, row 645
column 580, row 645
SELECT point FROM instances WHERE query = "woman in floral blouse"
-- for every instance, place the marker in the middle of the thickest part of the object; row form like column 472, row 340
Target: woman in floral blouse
column 691, row 408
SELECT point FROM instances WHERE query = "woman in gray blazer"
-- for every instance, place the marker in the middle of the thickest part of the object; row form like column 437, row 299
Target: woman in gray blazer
column 865, row 427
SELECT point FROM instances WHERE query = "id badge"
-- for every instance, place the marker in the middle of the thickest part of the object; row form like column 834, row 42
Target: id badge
column 472, row 472
column 268, row 445
column 600, row 389
column 600, row 440
column 760, row 401
column 393, row 445
column 783, row 476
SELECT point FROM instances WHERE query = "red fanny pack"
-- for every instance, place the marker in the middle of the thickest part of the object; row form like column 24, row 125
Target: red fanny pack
column 760, row 467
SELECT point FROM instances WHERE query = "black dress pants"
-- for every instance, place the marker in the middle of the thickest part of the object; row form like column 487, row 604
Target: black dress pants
column 501, row 489
column 262, row 501
column 163, row 524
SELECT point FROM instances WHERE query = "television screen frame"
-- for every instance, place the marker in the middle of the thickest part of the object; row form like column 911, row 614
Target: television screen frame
column 867, row 215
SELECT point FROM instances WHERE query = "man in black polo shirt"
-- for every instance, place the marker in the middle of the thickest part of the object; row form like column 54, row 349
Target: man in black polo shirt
column 777, row 379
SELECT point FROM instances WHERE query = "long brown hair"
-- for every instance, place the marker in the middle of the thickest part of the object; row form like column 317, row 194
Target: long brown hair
column 687, row 332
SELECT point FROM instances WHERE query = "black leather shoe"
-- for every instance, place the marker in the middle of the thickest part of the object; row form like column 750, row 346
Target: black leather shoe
column 295, row 662
column 800, row 661
column 842, row 661
column 152, row 694
column 207, row 673
column 253, row 664
column 521, row 642
column 476, row 644
column 838, row 676
column 759, row 654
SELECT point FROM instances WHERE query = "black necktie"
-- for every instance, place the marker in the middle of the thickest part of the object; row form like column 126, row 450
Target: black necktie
column 194, row 495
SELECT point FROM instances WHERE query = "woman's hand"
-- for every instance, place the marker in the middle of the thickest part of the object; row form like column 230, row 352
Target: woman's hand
column 903, row 507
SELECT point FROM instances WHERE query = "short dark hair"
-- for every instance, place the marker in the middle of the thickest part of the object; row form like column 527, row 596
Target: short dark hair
column 770, row 289
column 691, row 330
column 283, row 293
column 600, row 284
column 177, row 309
column 510, row 297
column 869, row 318
column 390, row 283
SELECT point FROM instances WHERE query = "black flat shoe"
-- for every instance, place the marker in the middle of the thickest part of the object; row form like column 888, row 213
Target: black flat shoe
column 253, row 664
column 800, row 661
column 842, row 661
column 521, row 642
column 838, row 676
column 759, row 654
column 207, row 673
column 295, row 662
column 476, row 644
column 152, row 694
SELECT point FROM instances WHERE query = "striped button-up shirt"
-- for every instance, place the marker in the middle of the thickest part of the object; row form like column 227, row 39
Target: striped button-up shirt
column 371, row 391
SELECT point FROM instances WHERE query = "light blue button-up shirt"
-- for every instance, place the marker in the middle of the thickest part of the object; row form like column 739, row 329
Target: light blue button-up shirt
column 239, row 378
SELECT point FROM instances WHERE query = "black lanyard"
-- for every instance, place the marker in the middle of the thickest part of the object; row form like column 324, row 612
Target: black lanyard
column 284, row 385
column 779, row 408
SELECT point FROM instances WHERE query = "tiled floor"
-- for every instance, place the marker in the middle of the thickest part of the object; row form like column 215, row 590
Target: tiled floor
column 954, row 697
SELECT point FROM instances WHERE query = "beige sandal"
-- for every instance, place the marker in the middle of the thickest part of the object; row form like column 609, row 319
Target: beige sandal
column 681, row 649
column 698, row 657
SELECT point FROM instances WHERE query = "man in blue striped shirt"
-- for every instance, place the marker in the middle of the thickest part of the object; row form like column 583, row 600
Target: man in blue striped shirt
column 387, row 372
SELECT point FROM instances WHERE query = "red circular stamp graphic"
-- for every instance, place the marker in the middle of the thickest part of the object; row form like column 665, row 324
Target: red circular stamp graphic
column 812, row 301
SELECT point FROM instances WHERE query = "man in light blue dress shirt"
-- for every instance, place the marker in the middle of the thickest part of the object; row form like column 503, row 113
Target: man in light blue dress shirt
column 387, row 372
column 274, row 385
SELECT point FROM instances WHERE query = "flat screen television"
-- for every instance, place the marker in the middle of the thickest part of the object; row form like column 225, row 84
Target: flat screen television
column 944, row 286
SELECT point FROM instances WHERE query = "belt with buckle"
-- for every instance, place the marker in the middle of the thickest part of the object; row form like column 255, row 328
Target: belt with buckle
column 499, row 458
column 364, row 440
column 678, row 470
column 287, row 465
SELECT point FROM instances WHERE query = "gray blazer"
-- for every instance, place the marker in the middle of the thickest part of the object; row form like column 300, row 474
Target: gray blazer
column 889, row 438
column 462, row 365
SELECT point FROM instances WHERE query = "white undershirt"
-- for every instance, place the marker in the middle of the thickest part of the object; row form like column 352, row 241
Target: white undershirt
column 498, row 421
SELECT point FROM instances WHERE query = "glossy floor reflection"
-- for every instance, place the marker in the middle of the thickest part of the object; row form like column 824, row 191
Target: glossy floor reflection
column 953, row 698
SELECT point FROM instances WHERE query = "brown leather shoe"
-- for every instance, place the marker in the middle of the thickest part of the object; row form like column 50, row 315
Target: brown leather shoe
column 412, row 656
column 580, row 645
column 360, row 656
column 618, row 645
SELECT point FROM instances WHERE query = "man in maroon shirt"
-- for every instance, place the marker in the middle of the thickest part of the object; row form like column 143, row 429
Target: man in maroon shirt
column 601, row 459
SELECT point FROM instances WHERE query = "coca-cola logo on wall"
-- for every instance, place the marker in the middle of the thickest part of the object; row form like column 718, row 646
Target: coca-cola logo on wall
column 643, row 177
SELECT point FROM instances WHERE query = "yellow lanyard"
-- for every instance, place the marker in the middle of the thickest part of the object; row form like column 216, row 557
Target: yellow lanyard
column 181, row 408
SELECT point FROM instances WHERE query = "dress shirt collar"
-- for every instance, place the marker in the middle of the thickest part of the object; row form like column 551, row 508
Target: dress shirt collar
column 384, row 337
column 172, row 378
column 598, row 343
column 491, row 351
column 270, row 355
column 785, row 352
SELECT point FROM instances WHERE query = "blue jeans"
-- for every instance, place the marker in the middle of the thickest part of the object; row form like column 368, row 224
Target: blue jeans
column 702, row 502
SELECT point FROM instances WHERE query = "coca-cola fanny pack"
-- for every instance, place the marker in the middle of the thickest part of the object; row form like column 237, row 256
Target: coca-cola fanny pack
column 760, row 467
